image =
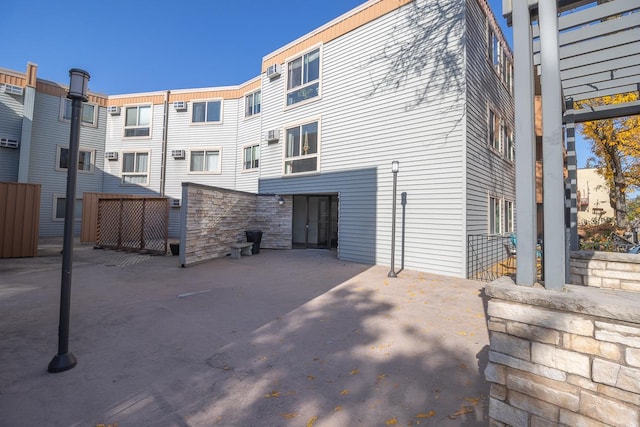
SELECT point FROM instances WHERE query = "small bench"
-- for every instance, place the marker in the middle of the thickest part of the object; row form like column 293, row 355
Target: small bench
column 241, row 248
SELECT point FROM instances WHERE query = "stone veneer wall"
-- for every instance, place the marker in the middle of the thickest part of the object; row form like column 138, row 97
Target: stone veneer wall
column 563, row 358
column 606, row 270
column 275, row 221
column 212, row 219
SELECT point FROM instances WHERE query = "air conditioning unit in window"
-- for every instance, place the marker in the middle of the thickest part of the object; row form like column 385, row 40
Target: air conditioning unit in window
column 177, row 154
column 111, row 155
column 9, row 143
column 180, row 105
column 114, row 110
column 273, row 71
column 12, row 89
column 273, row 135
column 176, row 203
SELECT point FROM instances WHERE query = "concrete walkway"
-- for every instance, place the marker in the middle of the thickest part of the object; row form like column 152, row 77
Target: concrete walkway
column 283, row 338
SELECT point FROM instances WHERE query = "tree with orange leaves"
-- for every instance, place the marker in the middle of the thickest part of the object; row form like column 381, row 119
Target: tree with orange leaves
column 615, row 144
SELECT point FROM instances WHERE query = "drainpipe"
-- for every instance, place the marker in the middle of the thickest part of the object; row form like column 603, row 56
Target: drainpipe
column 165, row 126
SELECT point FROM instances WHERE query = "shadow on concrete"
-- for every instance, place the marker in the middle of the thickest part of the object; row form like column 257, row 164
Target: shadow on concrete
column 282, row 338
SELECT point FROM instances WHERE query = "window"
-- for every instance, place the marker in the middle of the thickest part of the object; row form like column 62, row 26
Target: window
column 303, row 77
column 135, row 167
column 207, row 112
column 301, row 153
column 495, row 216
column 204, row 161
column 251, row 157
column 252, row 104
column 494, row 49
column 494, row 131
column 508, row 216
column 137, row 121
column 509, row 147
column 85, row 159
column 509, row 78
column 60, row 207
column 88, row 116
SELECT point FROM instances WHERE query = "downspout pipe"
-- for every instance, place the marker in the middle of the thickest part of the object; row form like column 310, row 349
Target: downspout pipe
column 165, row 128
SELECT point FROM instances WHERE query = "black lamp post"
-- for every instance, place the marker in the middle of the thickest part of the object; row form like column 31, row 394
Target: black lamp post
column 65, row 360
column 395, row 167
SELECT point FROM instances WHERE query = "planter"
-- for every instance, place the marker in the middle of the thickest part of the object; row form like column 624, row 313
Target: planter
column 175, row 248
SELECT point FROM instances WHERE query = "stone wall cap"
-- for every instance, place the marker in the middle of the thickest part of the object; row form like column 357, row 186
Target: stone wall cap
column 608, row 303
column 606, row 256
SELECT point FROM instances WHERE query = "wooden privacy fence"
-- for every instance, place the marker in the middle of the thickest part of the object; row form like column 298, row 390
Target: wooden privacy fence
column 19, row 219
column 126, row 222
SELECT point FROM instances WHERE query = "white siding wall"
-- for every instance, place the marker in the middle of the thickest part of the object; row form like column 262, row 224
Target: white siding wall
column 183, row 135
column 361, row 133
column 487, row 172
column 249, row 133
column 11, row 108
column 115, row 141
column 49, row 132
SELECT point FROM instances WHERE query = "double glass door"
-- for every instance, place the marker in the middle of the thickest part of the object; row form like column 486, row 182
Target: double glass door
column 315, row 221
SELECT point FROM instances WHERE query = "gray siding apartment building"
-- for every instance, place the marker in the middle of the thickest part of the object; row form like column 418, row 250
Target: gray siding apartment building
column 428, row 84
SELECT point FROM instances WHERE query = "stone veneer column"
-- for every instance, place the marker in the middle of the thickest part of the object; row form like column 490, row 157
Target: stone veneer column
column 568, row 357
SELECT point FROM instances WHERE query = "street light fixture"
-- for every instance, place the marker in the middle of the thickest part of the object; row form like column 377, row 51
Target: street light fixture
column 395, row 167
column 65, row 360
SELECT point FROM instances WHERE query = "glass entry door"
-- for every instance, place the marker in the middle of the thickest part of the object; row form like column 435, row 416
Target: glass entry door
column 315, row 222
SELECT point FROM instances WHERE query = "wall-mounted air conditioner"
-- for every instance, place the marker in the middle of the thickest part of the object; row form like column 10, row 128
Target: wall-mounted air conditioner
column 114, row 110
column 175, row 203
column 273, row 71
column 111, row 155
column 177, row 154
column 12, row 89
column 273, row 135
column 180, row 105
column 9, row 143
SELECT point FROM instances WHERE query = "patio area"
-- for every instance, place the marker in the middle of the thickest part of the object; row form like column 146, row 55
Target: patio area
column 283, row 338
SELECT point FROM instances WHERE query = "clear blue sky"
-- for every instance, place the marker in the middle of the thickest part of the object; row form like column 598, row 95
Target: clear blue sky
column 133, row 46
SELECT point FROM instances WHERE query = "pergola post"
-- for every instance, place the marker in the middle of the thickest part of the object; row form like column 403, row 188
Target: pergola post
column 552, row 144
column 525, row 145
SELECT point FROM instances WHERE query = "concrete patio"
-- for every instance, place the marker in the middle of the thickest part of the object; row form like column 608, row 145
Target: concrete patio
column 283, row 338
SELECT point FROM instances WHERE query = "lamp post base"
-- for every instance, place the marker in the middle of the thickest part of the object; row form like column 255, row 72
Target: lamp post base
column 62, row 362
column 392, row 274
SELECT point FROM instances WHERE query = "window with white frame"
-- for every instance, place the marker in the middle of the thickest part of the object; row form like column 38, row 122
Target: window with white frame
column 495, row 215
column 88, row 117
column 137, row 121
column 303, row 77
column 508, row 216
column 509, row 78
column 135, row 167
column 252, row 104
column 207, row 111
column 251, row 157
column 301, row 149
column 506, row 70
column 509, row 147
column 85, row 159
column 204, row 161
column 494, row 130
column 60, row 207
column 493, row 48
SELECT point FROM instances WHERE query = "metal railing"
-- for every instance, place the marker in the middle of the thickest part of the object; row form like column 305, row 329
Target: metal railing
column 490, row 257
